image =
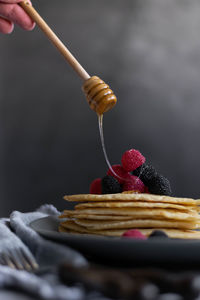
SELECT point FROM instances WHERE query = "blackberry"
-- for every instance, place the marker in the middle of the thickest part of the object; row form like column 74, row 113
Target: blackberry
column 159, row 185
column 110, row 185
column 145, row 172
column 158, row 234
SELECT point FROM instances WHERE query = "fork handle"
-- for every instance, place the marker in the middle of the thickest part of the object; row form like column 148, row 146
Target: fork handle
column 54, row 39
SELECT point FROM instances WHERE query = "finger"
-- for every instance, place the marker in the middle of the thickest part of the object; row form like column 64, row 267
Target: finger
column 6, row 26
column 16, row 14
column 11, row 1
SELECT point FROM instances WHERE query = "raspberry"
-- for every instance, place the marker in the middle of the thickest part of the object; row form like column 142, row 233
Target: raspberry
column 133, row 183
column 145, row 173
column 132, row 159
column 123, row 175
column 110, row 185
column 95, row 186
column 159, row 185
column 135, row 234
column 158, row 234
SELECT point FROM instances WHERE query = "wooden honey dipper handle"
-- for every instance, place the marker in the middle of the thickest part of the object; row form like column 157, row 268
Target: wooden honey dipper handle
column 99, row 96
column 54, row 39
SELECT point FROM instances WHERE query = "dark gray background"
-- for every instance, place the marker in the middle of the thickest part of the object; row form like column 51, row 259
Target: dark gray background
column 149, row 53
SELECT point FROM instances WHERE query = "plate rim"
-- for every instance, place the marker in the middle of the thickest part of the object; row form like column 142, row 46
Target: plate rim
column 107, row 238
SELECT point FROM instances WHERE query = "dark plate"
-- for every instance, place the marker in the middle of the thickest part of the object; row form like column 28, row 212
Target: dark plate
column 124, row 251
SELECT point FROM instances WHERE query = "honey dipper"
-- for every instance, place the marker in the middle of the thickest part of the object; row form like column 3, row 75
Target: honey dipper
column 99, row 96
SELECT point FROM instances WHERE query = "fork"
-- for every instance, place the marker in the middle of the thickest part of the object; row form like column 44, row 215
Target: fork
column 19, row 259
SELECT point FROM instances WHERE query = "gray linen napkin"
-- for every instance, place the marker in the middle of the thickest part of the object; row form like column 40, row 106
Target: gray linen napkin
column 47, row 254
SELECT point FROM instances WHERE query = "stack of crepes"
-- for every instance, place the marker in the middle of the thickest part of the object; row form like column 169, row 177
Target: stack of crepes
column 114, row 214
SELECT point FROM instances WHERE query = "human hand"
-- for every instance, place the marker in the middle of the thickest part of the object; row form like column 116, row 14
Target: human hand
column 11, row 13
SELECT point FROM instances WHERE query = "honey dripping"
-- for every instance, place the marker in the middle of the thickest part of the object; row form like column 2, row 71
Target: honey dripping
column 100, row 99
column 100, row 121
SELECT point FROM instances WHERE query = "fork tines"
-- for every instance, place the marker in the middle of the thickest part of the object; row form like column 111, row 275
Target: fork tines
column 19, row 259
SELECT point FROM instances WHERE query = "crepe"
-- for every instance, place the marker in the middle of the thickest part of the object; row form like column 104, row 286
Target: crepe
column 141, row 213
column 73, row 228
column 114, row 214
column 131, row 197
